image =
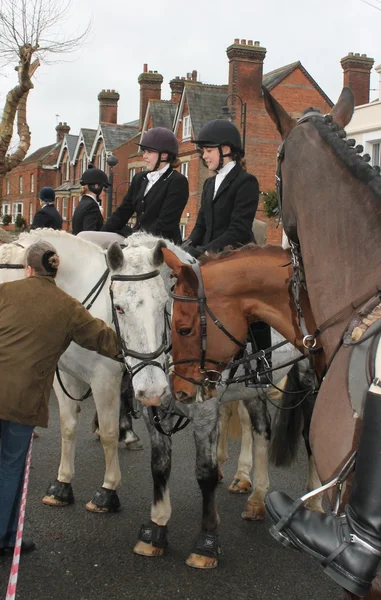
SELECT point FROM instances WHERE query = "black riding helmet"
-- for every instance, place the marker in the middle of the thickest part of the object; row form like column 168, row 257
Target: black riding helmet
column 218, row 133
column 160, row 139
column 95, row 179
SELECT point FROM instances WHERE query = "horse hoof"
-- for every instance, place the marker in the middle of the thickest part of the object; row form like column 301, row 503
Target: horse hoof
column 144, row 549
column 104, row 501
column 134, row 445
column 59, row 494
column 240, row 486
column 197, row 561
column 254, row 512
column 220, row 475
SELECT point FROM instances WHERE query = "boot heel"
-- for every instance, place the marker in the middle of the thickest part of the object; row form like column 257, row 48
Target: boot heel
column 354, row 586
column 280, row 537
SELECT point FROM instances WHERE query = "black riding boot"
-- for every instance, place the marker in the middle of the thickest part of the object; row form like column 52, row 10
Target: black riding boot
column 349, row 546
column 261, row 333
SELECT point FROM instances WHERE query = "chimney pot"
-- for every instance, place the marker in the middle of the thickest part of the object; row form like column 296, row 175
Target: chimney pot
column 243, row 42
column 145, row 68
column 250, row 42
column 62, row 129
column 194, row 75
column 257, row 44
column 108, row 106
column 236, row 41
column 357, row 68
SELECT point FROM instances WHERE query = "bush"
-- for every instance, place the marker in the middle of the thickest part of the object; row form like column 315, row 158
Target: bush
column 20, row 222
column 7, row 219
column 270, row 203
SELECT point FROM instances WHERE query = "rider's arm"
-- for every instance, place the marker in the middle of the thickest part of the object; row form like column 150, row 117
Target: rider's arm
column 91, row 217
column 172, row 207
column 124, row 212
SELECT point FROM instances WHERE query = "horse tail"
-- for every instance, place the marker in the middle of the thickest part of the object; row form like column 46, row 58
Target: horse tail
column 235, row 429
column 288, row 423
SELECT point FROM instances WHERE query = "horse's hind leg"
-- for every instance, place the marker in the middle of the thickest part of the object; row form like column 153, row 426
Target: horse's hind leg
column 205, row 552
column 107, row 400
column 60, row 492
column 241, row 483
column 152, row 539
column 261, row 422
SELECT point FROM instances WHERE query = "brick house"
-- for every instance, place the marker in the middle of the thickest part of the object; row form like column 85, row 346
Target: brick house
column 191, row 105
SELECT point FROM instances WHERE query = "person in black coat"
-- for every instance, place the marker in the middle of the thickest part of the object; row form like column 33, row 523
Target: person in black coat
column 48, row 215
column 229, row 202
column 157, row 197
column 87, row 216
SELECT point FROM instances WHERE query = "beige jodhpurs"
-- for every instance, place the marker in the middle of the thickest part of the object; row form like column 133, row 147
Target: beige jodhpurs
column 102, row 238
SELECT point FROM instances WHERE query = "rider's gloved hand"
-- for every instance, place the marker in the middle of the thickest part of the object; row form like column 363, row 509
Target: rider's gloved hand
column 195, row 252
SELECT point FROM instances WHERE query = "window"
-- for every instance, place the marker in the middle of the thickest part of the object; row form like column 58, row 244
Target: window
column 5, row 209
column 73, row 204
column 182, row 231
column 58, row 204
column 17, row 209
column 67, row 170
column 376, row 155
column 21, row 185
column 8, row 186
column 30, row 212
column 83, row 164
column 131, row 174
column 64, row 209
column 184, row 169
column 187, row 127
column 102, row 160
column 32, row 182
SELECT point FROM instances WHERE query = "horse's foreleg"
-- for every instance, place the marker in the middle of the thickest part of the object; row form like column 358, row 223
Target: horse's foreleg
column 107, row 401
column 207, row 547
column 153, row 536
column 261, row 422
column 241, row 483
column 222, row 448
column 60, row 492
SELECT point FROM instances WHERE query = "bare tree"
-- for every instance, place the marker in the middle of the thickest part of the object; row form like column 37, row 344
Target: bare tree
column 30, row 32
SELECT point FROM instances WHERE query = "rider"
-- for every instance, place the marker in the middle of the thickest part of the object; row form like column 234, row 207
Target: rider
column 349, row 545
column 38, row 321
column 157, row 196
column 48, row 215
column 229, row 202
column 87, row 216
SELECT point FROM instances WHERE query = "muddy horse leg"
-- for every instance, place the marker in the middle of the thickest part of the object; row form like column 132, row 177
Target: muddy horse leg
column 222, row 448
column 152, row 539
column 241, row 483
column 261, row 423
column 206, row 549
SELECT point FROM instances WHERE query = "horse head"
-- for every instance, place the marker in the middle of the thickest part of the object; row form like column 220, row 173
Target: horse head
column 139, row 301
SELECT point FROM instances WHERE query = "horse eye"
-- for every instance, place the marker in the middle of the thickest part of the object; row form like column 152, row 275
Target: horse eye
column 119, row 309
column 184, row 331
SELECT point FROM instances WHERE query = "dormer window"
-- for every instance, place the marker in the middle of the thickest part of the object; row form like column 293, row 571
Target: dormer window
column 187, row 127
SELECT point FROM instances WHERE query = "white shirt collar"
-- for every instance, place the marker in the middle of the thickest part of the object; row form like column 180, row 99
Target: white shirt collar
column 227, row 168
column 153, row 176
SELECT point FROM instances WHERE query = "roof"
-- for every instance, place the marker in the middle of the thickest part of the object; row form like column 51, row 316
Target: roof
column 41, row 153
column 116, row 135
column 71, row 142
column 88, row 136
column 133, row 123
column 205, row 103
column 273, row 78
column 163, row 113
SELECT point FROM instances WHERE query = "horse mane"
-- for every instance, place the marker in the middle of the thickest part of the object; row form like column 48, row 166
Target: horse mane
column 358, row 165
column 230, row 252
column 27, row 236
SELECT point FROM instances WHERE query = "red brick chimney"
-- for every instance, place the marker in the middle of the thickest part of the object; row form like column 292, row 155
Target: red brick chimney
column 177, row 86
column 62, row 129
column 357, row 68
column 245, row 70
column 108, row 106
column 150, row 89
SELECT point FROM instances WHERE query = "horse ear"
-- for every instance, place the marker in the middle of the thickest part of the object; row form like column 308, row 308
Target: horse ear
column 284, row 123
column 343, row 110
column 157, row 258
column 182, row 271
column 172, row 260
column 115, row 256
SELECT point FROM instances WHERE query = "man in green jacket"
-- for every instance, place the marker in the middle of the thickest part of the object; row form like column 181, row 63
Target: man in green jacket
column 38, row 321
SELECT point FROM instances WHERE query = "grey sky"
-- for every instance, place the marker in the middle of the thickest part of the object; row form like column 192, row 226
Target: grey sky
column 176, row 37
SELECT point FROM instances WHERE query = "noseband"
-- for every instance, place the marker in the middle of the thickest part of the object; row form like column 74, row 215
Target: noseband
column 211, row 377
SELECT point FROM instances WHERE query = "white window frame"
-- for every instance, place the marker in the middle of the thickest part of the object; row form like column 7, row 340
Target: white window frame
column 32, row 182
column 58, row 204
column 102, row 159
column 67, row 169
column 187, row 127
column 8, row 186
column 64, row 209
column 15, row 211
column 83, row 164
column 21, row 184
column 184, row 169
column 376, row 154
column 131, row 174
column 30, row 212
column 182, row 230
column 73, row 204
column 5, row 209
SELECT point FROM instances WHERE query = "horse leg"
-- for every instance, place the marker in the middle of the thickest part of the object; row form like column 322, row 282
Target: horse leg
column 222, row 448
column 107, row 401
column 152, row 539
column 261, row 422
column 313, row 480
column 207, row 547
column 60, row 492
column 126, row 431
column 241, row 483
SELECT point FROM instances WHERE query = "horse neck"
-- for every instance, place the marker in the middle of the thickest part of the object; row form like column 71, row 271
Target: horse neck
column 258, row 284
column 339, row 223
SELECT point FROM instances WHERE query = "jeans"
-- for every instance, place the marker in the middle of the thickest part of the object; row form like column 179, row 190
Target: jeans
column 14, row 444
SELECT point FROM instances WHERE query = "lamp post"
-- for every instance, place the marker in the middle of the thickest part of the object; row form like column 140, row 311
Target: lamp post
column 226, row 112
column 112, row 161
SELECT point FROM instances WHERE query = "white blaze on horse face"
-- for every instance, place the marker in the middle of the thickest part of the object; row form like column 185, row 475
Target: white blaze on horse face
column 140, row 309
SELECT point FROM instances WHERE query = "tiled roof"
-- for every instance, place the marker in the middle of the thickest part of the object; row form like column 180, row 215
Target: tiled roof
column 162, row 113
column 71, row 141
column 133, row 123
column 88, row 138
column 116, row 135
column 205, row 103
column 41, row 154
column 270, row 80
